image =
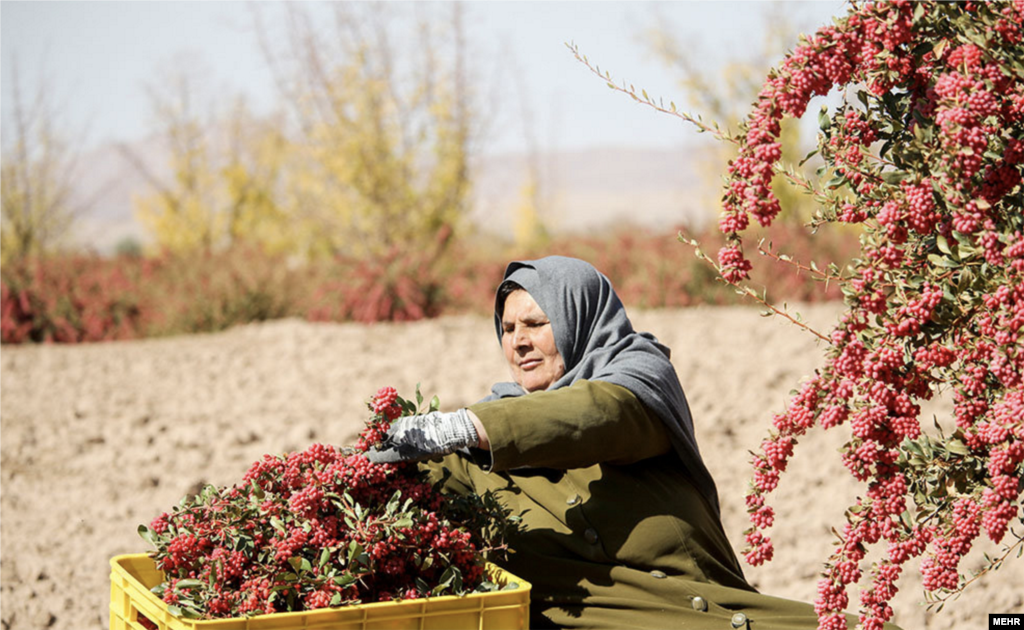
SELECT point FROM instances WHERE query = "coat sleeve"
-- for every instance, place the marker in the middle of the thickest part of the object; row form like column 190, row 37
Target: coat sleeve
column 590, row 422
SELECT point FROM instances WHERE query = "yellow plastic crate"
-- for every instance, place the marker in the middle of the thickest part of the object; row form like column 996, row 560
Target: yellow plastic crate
column 132, row 576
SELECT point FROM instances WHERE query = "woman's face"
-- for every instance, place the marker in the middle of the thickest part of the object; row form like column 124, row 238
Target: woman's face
column 529, row 343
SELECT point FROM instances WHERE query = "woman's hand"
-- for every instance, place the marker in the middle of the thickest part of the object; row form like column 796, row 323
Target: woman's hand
column 414, row 438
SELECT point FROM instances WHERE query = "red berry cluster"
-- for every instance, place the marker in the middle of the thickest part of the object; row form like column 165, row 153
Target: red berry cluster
column 386, row 405
column 930, row 166
column 318, row 528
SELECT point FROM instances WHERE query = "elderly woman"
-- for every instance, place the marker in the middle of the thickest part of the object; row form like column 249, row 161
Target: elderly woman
column 593, row 446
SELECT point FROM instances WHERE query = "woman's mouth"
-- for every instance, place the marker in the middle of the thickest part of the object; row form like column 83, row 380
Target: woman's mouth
column 529, row 364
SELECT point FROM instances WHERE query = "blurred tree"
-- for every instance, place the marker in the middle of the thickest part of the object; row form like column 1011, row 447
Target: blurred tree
column 383, row 125
column 368, row 155
column 254, row 177
column 531, row 229
column 39, row 166
column 183, row 215
column 723, row 92
column 225, row 174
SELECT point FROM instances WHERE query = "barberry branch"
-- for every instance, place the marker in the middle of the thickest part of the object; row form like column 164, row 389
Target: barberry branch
column 787, row 259
column 644, row 99
column 747, row 291
column 992, row 565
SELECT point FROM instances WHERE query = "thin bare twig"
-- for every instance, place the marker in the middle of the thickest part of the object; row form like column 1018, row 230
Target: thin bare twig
column 645, row 100
column 748, row 291
column 763, row 302
column 814, row 271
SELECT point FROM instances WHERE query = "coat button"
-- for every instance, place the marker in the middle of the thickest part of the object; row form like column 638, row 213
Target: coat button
column 573, row 500
column 591, row 536
column 699, row 604
column 739, row 620
column 658, row 574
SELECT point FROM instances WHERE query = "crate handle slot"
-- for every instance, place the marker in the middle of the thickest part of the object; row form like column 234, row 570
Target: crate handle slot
column 137, row 619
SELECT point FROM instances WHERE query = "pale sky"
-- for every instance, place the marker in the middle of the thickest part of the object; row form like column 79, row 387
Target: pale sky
column 100, row 55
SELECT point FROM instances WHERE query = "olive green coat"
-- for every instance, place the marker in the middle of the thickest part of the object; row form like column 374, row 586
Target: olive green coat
column 613, row 533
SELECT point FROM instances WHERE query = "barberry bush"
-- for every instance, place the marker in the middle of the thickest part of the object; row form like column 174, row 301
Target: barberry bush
column 72, row 299
column 928, row 162
column 324, row 527
column 923, row 154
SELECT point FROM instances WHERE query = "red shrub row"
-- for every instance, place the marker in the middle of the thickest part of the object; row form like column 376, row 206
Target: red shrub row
column 72, row 299
column 80, row 298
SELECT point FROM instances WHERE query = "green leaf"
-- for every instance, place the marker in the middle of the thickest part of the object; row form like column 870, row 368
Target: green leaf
column 446, row 579
column 943, row 245
column 824, row 121
column 147, row 535
column 435, row 403
column 191, row 613
column 894, row 177
column 393, row 503
column 189, row 583
column 345, row 579
column 354, row 550
column 862, row 96
column 957, row 447
column 835, row 182
column 808, row 157
column 945, row 263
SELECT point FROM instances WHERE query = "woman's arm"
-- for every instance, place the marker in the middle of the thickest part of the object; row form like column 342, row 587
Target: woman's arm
column 483, row 441
column 588, row 423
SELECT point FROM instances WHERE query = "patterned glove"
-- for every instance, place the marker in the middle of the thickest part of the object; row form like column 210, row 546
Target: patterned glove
column 414, row 438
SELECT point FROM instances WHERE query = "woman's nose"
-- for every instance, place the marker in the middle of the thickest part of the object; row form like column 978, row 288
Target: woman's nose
column 520, row 338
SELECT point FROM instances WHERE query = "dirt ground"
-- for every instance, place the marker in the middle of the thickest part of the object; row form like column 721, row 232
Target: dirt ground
column 97, row 439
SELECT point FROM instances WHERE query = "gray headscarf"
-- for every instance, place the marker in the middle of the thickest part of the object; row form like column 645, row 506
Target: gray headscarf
column 597, row 343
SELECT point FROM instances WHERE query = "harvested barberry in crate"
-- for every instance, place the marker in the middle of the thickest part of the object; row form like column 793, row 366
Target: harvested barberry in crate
column 325, row 538
column 133, row 606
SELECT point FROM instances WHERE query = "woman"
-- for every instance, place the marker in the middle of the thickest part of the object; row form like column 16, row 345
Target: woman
column 593, row 446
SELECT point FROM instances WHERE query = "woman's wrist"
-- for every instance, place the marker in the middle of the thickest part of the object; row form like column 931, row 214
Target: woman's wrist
column 482, row 440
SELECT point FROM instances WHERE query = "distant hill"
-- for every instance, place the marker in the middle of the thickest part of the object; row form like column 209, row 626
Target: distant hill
column 594, row 188
column 583, row 190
